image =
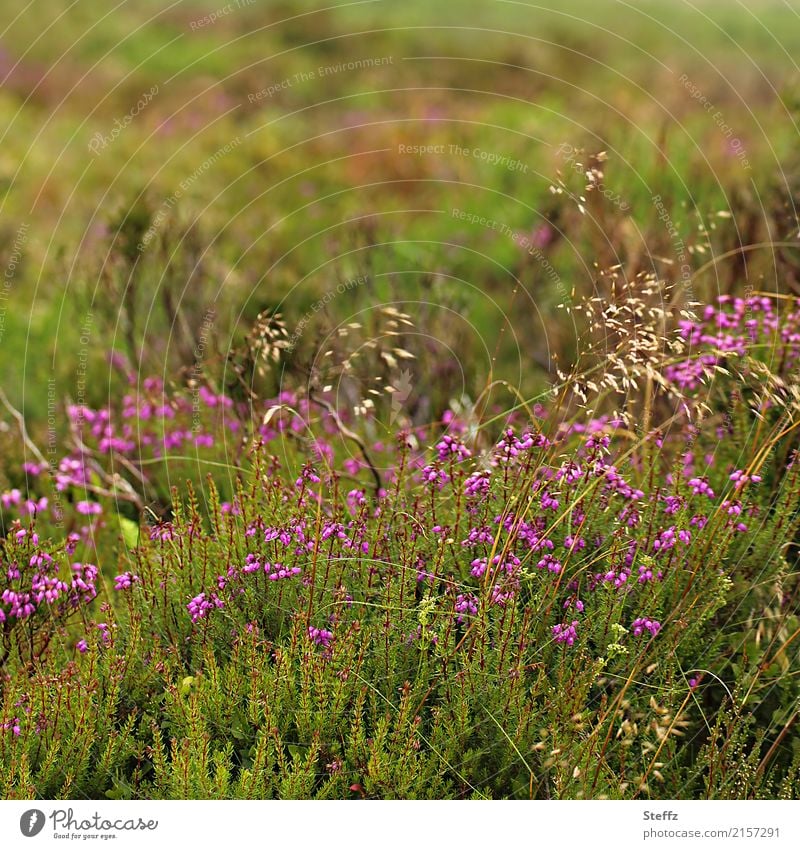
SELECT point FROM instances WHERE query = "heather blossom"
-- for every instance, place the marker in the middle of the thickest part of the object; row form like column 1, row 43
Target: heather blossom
column 566, row 632
column 596, row 540
column 466, row 605
column 320, row 636
column 200, row 606
column 12, row 725
column 477, row 485
column 450, row 446
column 741, row 478
column 125, row 581
column 643, row 624
column 700, row 486
column 550, row 563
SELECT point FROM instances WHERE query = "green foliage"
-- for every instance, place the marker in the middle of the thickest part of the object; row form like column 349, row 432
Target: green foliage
column 406, row 701
column 383, row 665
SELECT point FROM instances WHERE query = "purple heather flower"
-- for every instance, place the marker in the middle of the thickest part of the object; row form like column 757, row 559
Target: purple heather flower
column 548, row 502
column 47, row 588
column 83, row 582
column 550, row 563
column 740, row 478
column 477, row 485
column 665, row 540
column 82, row 646
column 307, row 475
column 700, row 486
column 565, row 633
column 449, row 446
column 423, row 574
column 466, row 605
column 617, row 578
column 7, row 499
column 163, row 531
column 40, row 560
column 478, row 567
column 356, row 498
column 432, row 474
column 21, row 605
column 12, row 725
column 478, row 535
column 595, row 442
column 89, row 508
column 251, row 563
column 33, row 507
column 501, row 595
column 732, row 508
column 125, row 581
column 320, row 637
column 200, row 606
column 72, row 543
column 570, row 472
column 276, row 572
column 643, row 624
column 510, row 446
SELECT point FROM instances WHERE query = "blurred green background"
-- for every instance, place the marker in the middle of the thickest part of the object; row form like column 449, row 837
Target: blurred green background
column 159, row 159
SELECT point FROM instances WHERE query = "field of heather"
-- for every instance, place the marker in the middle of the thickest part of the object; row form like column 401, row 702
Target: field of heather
column 399, row 401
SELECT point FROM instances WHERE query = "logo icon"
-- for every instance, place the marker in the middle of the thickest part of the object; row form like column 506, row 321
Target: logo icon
column 31, row 822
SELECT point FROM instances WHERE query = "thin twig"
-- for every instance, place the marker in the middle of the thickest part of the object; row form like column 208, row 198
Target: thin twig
column 349, row 434
column 30, row 445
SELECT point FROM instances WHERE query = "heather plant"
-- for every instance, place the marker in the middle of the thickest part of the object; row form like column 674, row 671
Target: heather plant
column 390, row 406
column 544, row 604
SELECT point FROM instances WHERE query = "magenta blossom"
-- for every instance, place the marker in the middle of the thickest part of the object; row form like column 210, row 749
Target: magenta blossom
column 566, row 633
column 320, row 637
column 643, row 624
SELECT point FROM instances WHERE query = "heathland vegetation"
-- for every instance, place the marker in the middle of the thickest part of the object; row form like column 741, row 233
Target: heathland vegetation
column 398, row 403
